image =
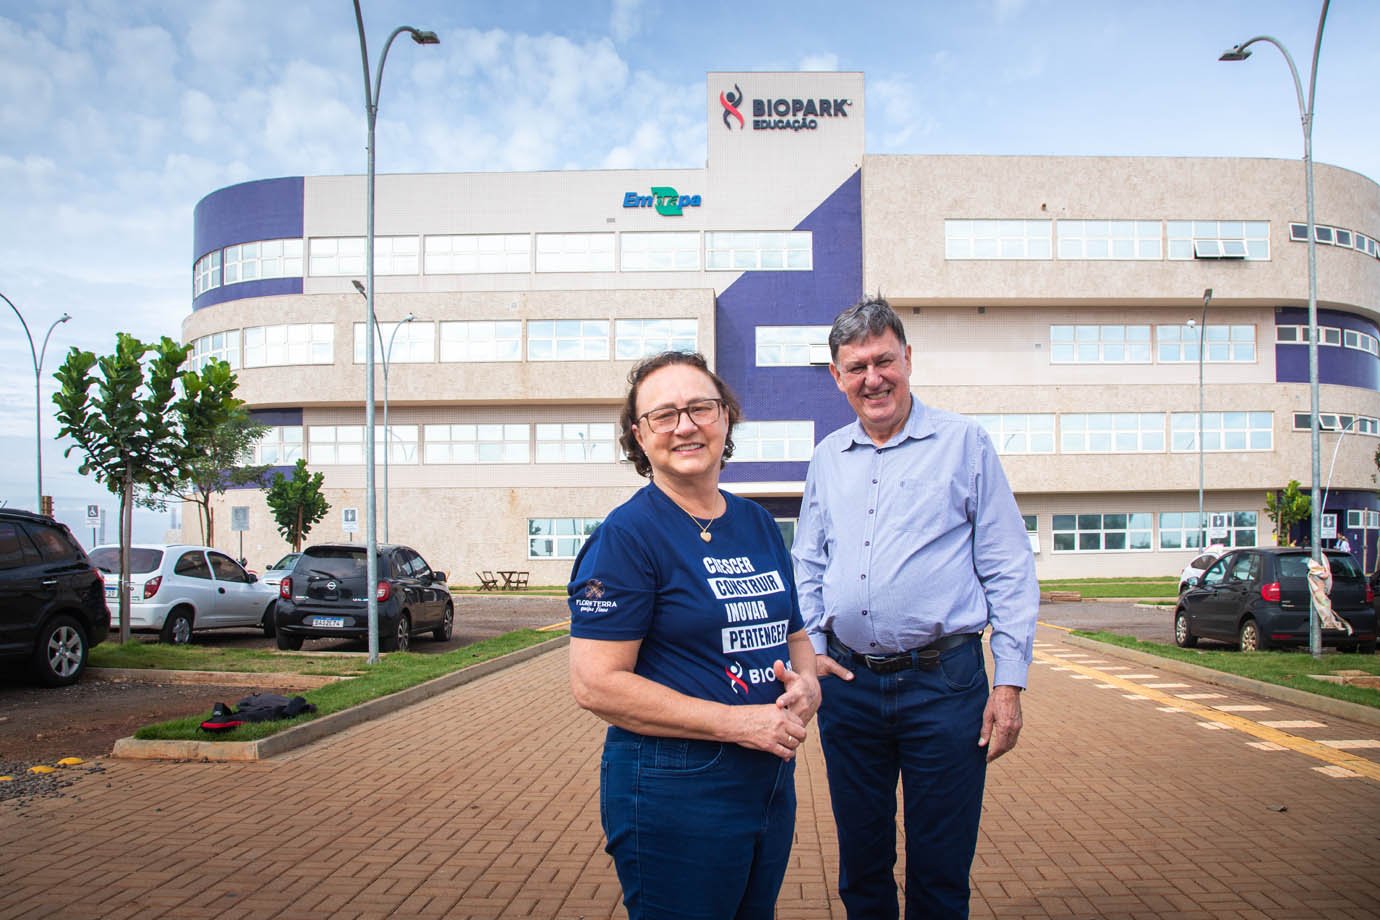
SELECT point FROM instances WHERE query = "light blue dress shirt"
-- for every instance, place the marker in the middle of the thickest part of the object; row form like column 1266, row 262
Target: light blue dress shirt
column 903, row 544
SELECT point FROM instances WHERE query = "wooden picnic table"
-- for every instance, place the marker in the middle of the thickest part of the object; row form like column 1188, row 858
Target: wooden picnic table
column 513, row 579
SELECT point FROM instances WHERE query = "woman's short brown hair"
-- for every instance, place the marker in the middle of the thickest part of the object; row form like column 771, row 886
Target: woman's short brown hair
column 628, row 418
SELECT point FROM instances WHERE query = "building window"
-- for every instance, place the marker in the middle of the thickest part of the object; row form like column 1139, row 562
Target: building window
column 219, row 346
column 1183, row 531
column 1100, row 533
column 1225, row 344
column 1112, row 433
column 1219, row 239
column 567, row 340
column 281, row 445
column 1020, row 434
column 1032, row 532
column 412, row 343
column 263, row 259
column 479, row 254
column 752, row 251
column 659, row 252
column 792, row 346
column 1298, row 335
column 576, row 443
column 299, row 343
column 1099, row 344
column 330, row 445
column 206, row 273
column 1332, row 421
column 574, row 252
column 1360, row 341
column 1223, row 431
column 638, row 338
column 1109, row 239
column 481, row 340
column 997, row 239
column 489, row 443
column 558, row 538
column 771, row 441
column 344, row 255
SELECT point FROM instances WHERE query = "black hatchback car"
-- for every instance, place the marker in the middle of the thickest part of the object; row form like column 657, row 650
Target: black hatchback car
column 52, row 599
column 1257, row 598
column 326, row 596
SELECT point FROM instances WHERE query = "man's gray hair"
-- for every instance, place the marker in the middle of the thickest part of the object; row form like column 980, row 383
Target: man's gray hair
column 866, row 318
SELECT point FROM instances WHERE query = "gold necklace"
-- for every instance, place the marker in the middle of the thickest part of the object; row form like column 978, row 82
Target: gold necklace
column 705, row 535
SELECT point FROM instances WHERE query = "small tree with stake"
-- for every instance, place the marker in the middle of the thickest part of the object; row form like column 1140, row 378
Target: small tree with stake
column 221, row 465
column 297, row 503
column 1286, row 509
column 134, row 429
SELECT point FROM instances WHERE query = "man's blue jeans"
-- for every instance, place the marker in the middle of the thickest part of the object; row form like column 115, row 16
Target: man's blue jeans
column 697, row 830
column 923, row 726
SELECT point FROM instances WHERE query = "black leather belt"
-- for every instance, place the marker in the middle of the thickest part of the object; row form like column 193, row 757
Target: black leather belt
column 925, row 658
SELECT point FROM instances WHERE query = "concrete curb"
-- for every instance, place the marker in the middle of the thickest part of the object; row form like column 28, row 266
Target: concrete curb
column 308, row 732
column 1324, row 704
column 278, row 679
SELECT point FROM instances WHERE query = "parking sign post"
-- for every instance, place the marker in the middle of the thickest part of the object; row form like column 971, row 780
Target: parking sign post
column 93, row 520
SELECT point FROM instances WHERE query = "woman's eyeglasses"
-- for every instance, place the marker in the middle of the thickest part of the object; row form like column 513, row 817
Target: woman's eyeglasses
column 701, row 412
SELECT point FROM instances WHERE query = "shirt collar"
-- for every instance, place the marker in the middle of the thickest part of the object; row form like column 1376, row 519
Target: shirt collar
column 917, row 426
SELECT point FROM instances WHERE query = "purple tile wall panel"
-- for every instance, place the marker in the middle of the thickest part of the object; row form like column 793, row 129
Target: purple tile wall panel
column 790, row 299
column 276, row 416
column 266, row 209
column 1342, row 366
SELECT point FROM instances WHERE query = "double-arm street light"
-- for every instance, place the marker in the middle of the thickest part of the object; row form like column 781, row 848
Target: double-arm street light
column 387, row 433
column 1240, row 53
column 37, row 357
column 371, row 110
column 1202, row 344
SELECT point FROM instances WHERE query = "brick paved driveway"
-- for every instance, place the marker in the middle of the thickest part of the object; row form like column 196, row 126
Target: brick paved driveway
column 1132, row 794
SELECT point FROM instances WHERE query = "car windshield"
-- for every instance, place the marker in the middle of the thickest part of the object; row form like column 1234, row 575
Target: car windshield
column 141, row 559
column 334, row 563
column 1294, row 567
column 284, row 563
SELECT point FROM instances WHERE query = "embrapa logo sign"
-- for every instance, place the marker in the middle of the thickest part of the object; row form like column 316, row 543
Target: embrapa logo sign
column 666, row 200
column 780, row 114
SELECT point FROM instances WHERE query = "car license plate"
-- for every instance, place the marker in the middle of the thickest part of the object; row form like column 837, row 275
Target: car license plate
column 110, row 591
column 336, row 622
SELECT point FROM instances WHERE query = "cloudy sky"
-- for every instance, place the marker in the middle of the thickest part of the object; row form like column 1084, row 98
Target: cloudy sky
column 117, row 116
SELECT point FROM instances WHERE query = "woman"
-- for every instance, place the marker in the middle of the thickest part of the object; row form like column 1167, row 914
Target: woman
column 683, row 613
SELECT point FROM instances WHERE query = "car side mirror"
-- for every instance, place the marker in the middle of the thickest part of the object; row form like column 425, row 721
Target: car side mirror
column 1194, row 581
column 252, row 577
column 438, row 577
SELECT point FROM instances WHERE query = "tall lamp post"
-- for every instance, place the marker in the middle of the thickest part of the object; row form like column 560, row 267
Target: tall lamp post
column 37, row 358
column 371, row 110
column 1202, row 345
column 387, row 434
column 1240, row 53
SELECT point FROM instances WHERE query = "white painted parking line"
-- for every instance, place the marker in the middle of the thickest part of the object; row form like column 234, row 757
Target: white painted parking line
column 1167, row 686
column 1201, row 696
column 1138, row 676
column 1356, row 744
column 1243, row 708
column 1213, row 726
column 1337, row 772
column 1294, row 723
column 1170, row 709
column 1266, row 746
column 1106, row 686
column 1081, row 676
column 1134, row 696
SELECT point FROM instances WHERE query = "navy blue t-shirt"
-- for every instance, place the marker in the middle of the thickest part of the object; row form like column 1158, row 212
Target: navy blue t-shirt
column 712, row 617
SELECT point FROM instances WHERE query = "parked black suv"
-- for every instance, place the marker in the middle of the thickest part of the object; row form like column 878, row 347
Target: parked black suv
column 52, row 599
column 326, row 594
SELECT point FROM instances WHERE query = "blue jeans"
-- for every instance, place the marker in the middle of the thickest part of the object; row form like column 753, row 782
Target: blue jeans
column 697, row 829
column 922, row 726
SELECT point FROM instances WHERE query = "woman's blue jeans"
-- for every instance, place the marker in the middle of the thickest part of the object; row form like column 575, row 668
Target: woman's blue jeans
column 697, row 830
column 922, row 726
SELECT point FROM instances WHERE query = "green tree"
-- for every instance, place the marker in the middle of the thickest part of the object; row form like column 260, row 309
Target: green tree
column 297, row 503
column 220, row 465
column 138, row 419
column 1286, row 509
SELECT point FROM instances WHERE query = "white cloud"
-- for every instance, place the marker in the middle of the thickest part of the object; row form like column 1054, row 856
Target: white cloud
column 824, row 62
column 625, row 19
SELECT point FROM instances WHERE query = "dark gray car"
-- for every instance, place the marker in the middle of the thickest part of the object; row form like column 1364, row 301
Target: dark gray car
column 325, row 596
column 1258, row 598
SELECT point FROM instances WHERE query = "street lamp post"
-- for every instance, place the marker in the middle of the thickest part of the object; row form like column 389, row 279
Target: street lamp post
column 371, row 109
column 1202, row 345
column 1240, row 53
column 387, row 433
column 37, row 358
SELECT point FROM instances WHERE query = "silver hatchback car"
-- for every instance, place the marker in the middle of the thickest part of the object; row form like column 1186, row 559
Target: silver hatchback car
column 177, row 589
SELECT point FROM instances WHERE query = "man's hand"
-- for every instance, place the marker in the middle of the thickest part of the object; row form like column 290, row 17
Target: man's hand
column 801, row 695
column 1001, row 721
column 828, row 667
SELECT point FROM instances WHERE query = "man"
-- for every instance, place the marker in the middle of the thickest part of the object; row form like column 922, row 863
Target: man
column 1343, row 544
column 909, row 545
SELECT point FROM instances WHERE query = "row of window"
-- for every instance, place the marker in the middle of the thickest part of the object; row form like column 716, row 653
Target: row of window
column 1138, row 240
column 1329, row 335
column 1134, row 531
column 1128, row 432
column 1336, row 236
column 509, row 253
column 519, row 442
column 1124, row 344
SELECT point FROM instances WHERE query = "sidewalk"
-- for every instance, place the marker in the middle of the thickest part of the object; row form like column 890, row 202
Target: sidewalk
column 1124, row 799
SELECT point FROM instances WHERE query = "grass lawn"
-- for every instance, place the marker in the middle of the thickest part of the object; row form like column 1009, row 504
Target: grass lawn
column 1285, row 668
column 1115, row 587
column 395, row 671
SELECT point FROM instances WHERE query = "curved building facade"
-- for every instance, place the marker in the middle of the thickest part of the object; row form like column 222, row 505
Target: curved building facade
column 1048, row 296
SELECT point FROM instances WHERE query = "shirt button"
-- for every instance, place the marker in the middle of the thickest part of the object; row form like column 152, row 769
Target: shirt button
column 864, row 613
column 874, row 482
column 869, row 510
column 864, row 578
column 871, row 645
